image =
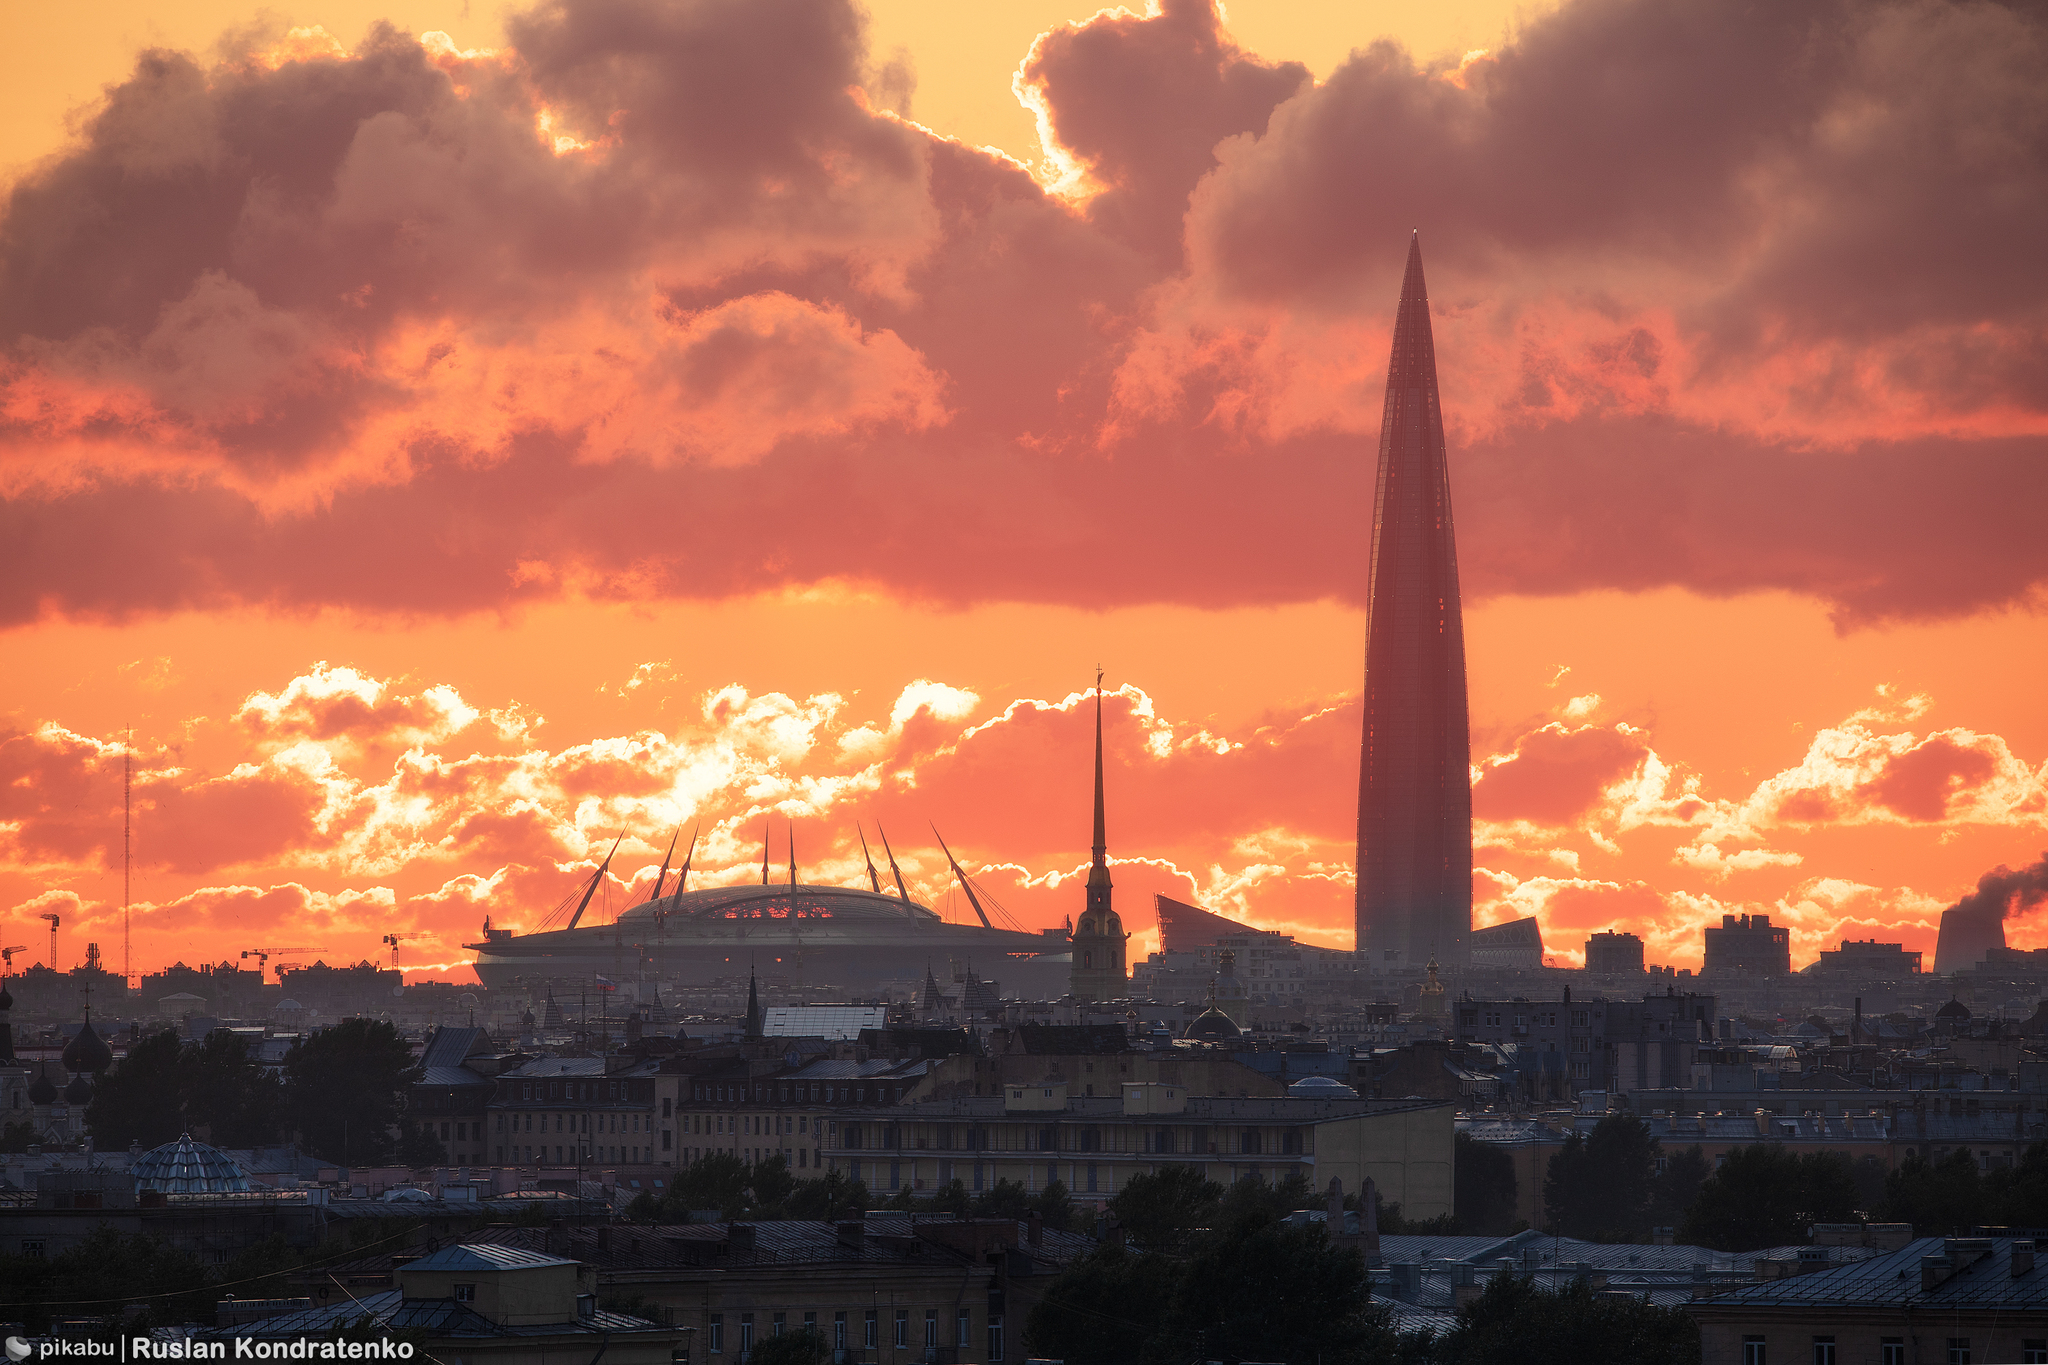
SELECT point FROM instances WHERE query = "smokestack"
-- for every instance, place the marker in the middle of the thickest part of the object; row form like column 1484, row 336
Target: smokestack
column 1976, row 924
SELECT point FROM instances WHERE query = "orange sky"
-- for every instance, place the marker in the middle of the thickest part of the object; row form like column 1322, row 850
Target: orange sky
column 433, row 498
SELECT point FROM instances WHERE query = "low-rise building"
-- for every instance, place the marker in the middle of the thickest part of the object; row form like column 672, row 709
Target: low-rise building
column 1036, row 1135
column 1955, row 1300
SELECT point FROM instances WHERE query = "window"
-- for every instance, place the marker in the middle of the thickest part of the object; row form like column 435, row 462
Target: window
column 746, row 1335
column 960, row 1330
column 2033, row 1349
column 717, row 1333
column 931, row 1328
column 1753, row 1351
column 873, row 1337
column 1891, row 1351
column 1958, row 1351
column 902, row 1338
column 781, row 1320
column 995, row 1336
column 839, row 1332
column 465, row 1293
column 1823, row 1351
column 32, row 1248
column 1091, row 1177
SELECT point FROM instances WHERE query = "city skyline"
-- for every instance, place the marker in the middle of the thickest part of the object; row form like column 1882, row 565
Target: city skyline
column 496, row 449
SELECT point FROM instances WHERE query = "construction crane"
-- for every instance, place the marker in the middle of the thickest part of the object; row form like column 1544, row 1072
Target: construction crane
column 263, row 955
column 52, row 918
column 394, row 940
column 7, row 955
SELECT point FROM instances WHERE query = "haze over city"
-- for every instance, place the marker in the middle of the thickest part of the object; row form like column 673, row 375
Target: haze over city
column 446, row 443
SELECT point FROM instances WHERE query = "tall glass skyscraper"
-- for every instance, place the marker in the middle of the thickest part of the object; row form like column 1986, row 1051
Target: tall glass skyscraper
column 1414, row 785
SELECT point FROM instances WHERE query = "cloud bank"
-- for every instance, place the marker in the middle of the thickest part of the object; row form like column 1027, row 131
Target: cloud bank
column 655, row 302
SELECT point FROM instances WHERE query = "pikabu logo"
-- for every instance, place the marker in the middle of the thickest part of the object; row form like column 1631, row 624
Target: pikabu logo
column 18, row 1349
column 21, row 1348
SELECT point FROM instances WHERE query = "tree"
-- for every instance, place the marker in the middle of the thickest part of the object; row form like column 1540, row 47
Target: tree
column 1163, row 1209
column 1252, row 1193
column 226, row 1094
column 344, row 1089
column 1055, row 1206
column 2018, row 1197
column 1485, row 1184
column 417, row 1145
column 827, row 1198
column 1678, row 1185
column 138, row 1099
column 1764, row 1196
column 1513, row 1320
column 805, row 1347
column 1262, row 1289
column 19, row 1137
column 1938, row 1198
column 1598, row 1185
column 1004, row 1199
column 1102, row 1309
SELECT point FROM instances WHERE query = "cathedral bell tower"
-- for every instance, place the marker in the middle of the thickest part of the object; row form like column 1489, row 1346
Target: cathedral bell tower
column 1099, row 937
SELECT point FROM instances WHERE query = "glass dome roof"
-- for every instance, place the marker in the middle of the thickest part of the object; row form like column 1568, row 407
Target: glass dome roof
column 188, row 1167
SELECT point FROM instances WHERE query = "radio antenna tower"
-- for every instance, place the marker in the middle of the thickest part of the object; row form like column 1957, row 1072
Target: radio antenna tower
column 127, row 772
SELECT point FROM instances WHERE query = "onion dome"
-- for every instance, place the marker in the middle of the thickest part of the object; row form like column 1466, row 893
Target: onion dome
column 6, row 997
column 1321, row 1088
column 80, row 1089
column 1212, row 1025
column 40, row 1090
column 188, row 1167
column 87, row 1051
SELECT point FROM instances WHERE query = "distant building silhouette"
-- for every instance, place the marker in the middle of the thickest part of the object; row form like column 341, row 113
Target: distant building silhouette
column 1099, row 938
column 1613, row 954
column 1868, row 960
column 1414, row 787
column 1516, row 945
column 1748, row 945
column 1968, row 934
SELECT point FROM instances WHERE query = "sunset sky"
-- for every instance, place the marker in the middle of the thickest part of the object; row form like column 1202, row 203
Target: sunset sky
column 447, row 436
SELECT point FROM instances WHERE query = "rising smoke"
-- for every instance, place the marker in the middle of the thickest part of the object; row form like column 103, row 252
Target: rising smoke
column 2006, row 893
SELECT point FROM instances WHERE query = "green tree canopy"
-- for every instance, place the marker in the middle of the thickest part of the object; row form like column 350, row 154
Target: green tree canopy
column 139, row 1098
column 1514, row 1321
column 1103, row 1309
column 1261, row 1289
column 1485, row 1183
column 1765, row 1196
column 1678, row 1185
column 1598, row 1186
column 345, row 1088
column 1164, row 1208
column 1939, row 1198
column 806, row 1347
column 227, row 1094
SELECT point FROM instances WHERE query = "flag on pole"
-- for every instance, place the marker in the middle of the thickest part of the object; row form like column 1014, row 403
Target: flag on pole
column 604, row 983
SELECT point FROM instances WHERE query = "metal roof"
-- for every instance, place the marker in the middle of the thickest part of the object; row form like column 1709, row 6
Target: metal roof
column 1894, row 1279
column 779, row 901
column 465, row 1256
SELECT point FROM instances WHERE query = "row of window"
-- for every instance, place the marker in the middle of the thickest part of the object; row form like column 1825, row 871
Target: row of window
column 573, row 1091
column 902, row 1325
column 1056, row 1137
column 1892, row 1351
column 812, row 1092
column 606, row 1123
column 569, row 1154
column 1088, row 1178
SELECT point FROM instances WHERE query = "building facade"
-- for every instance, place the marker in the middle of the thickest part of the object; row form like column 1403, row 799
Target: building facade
column 1748, row 945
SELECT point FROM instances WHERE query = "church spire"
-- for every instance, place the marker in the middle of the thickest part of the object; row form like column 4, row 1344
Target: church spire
column 1098, row 872
column 755, row 1019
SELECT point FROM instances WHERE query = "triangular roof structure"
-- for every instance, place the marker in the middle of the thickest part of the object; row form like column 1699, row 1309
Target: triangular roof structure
column 1185, row 928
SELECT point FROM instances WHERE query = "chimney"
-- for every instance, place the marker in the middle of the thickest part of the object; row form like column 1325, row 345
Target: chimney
column 604, row 1237
column 1369, row 1220
column 1333, row 1207
column 741, row 1235
column 1856, row 1029
column 1934, row 1270
column 1114, row 1234
column 852, row 1234
column 1035, row 1233
column 2022, row 1257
